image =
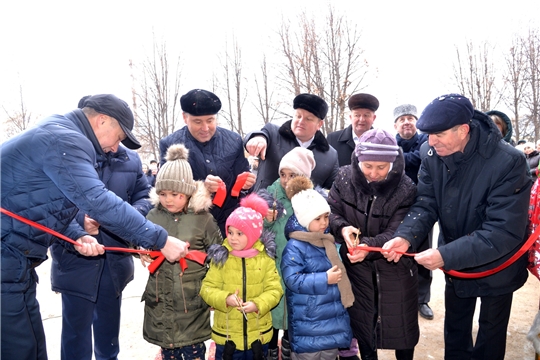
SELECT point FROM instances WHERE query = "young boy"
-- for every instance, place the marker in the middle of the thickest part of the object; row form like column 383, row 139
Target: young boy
column 318, row 290
column 242, row 284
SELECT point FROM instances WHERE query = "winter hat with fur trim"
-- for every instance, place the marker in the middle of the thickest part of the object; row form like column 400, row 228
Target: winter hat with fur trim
column 377, row 145
column 307, row 203
column 312, row 103
column 248, row 218
column 405, row 109
column 299, row 160
column 176, row 174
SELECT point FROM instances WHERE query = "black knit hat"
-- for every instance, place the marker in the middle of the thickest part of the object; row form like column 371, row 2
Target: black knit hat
column 200, row 102
column 312, row 103
column 363, row 101
column 116, row 108
column 444, row 113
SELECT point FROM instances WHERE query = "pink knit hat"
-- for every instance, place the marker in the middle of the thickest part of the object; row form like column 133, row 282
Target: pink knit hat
column 248, row 218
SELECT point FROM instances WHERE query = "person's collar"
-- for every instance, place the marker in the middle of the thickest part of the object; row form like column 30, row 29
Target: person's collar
column 305, row 144
column 355, row 137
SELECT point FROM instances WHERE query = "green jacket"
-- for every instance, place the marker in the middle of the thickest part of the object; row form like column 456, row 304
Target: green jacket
column 279, row 313
column 174, row 313
column 257, row 280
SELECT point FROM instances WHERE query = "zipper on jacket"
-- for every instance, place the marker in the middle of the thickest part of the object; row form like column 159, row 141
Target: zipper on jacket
column 157, row 295
column 244, row 297
column 369, row 208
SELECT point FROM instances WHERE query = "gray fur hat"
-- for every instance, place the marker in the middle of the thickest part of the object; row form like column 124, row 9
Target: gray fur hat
column 176, row 174
column 405, row 109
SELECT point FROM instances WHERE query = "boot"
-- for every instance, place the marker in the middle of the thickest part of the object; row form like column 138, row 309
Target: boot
column 273, row 354
column 285, row 349
column 367, row 352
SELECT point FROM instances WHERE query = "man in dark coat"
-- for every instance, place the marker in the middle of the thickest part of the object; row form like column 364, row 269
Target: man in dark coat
column 95, row 304
column 216, row 154
column 410, row 141
column 478, row 188
column 48, row 175
column 362, row 114
column 272, row 142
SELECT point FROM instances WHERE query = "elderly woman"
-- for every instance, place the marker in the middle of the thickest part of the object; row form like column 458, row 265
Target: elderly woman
column 368, row 199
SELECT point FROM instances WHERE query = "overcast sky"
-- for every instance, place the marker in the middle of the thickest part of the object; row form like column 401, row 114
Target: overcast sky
column 61, row 50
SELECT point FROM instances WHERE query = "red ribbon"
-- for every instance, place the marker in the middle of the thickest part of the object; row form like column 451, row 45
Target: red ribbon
column 220, row 195
column 239, row 184
column 526, row 246
column 195, row 255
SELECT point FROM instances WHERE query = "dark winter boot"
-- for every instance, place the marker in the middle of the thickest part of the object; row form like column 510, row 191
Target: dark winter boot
column 273, row 354
column 407, row 354
column 257, row 349
column 285, row 349
column 367, row 352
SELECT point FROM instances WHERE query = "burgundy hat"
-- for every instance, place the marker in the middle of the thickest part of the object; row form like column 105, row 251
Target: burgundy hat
column 363, row 101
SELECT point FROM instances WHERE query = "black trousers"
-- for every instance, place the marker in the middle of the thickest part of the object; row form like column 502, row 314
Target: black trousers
column 492, row 325
column 425, row 276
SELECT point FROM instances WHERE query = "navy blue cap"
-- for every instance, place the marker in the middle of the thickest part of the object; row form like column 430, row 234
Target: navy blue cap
column 116, row 108
column 444, row 113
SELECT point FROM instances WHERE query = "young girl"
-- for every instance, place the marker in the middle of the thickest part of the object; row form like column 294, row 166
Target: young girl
column 242, row 284
column 175, row 317
column 297, row 162
column 318, row 290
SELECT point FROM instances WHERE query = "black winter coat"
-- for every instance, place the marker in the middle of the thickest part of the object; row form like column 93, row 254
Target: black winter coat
column 281, row 140
column 386, row 290
column 342, row 141
column 480, row 198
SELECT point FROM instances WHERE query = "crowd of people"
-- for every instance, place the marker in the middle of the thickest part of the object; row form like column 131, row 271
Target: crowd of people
column 303, row 260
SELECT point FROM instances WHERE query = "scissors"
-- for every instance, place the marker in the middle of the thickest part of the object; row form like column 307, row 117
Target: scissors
column 240, row 305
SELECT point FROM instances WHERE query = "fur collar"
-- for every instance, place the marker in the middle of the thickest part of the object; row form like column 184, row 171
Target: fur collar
column 200, row 201
column 319, row 142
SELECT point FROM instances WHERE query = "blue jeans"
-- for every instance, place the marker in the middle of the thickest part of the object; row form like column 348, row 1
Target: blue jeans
column 239, row 354
column 189, row 352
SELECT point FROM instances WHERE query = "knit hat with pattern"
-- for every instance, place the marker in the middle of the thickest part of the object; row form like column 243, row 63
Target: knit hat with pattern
column 248, row 218
column 176, row 174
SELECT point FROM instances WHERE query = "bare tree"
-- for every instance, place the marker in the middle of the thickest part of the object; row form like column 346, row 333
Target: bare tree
column 531, row 46
column 265, row 105
column 233, row 87
column 474, row 73
column 19, row 120
column 327, row 65
column 156, row 98
column 515, row 84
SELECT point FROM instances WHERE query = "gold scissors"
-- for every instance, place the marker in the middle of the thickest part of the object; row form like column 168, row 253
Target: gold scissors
column 240, row 305
column 355, row 243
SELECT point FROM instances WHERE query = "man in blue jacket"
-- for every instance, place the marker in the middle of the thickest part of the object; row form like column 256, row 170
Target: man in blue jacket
column 95, row 304
column 48, row 175
column 216, row 154
column 478, row 188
